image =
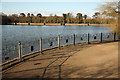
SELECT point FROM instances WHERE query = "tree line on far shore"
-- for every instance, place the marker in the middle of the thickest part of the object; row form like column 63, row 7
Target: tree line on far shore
column 65, row 18
column 107, row 14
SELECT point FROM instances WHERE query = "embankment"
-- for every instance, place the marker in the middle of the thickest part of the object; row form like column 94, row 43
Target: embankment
column 59, row 24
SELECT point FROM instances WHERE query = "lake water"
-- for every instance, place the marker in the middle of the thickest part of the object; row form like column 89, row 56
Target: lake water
column 30, row 35
column 14, row 33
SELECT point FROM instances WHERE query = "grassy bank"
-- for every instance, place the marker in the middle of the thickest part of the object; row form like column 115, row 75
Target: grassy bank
column 59, row 24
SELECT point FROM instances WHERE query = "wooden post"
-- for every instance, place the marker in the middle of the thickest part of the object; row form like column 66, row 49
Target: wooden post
column 44, row 24
column 74, row 38
column 29, row 23
column 59, row 41
column 40, row 45
column 15, row 23
column 114, row 36
column 101, row 37
column 20, row 52
column 88, row 38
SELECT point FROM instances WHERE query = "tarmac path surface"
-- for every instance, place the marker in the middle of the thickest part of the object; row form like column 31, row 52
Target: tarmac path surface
column 79, row 61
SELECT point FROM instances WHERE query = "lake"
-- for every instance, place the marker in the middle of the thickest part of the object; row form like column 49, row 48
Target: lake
column 14, row 33
column 30, row 36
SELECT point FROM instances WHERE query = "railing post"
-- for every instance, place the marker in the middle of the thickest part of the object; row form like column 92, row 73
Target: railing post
column 40, row 45
column 114, row 36
column 59, row 41
column 101, row 37
column 74, row 38
column 88, row 38
column 20, row 51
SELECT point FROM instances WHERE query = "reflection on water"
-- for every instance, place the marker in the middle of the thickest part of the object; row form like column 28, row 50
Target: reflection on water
column 13, row 33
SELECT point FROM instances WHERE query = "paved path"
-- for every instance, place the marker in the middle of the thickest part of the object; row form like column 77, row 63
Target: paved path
column 80, row 61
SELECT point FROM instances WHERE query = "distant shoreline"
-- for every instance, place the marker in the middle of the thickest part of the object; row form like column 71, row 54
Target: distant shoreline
column 58, row 24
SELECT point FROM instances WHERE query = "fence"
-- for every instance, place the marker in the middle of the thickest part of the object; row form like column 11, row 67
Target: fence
column 13, row 50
